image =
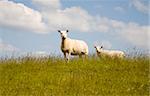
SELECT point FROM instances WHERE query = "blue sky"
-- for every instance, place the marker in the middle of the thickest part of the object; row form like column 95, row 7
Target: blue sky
column 31, row 25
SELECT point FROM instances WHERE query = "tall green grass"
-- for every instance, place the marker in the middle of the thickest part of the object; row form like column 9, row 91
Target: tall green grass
column 89, row 77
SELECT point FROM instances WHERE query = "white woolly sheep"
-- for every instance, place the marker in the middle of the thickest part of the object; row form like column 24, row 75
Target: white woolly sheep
column 72, row 46
column 109, row 53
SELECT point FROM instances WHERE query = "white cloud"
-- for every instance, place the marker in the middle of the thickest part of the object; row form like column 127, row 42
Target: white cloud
column 140, row 6
column 132, row 32
column 74, row 18
column 137, row 35
column 115, row 24
column 18, row 16
column 78, row 18
column 47, row 5
column 101, row 24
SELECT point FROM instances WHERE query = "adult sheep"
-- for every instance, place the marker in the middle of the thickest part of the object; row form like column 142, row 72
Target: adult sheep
column 109, row 53
column 72, row 46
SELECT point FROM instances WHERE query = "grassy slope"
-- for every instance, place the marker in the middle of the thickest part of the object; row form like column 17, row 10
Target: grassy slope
column 53, row 77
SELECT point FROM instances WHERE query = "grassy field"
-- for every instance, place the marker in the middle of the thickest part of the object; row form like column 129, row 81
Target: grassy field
column 91, row 77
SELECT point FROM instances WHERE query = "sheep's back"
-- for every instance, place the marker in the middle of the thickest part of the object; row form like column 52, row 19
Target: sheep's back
column 113, row 53
column 80, row 45
column 76, row 46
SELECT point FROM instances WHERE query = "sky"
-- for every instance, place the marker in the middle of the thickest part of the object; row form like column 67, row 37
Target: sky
column 30, row 26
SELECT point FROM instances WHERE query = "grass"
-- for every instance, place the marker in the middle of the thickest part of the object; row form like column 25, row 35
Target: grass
column 91, row 77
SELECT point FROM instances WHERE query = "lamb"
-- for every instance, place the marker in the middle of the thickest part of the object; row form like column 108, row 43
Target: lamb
column 109, row 53
column 72, row 46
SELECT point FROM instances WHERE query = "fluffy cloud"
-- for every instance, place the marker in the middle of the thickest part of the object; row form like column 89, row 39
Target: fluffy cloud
column 137, row 35
column 74, row 18
column 132, row 32
column 140, row 6
column 47, row 5
column 18, row 16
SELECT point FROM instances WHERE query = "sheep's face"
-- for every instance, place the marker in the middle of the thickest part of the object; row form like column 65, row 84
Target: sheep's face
column 98, row 49
column 63, row 34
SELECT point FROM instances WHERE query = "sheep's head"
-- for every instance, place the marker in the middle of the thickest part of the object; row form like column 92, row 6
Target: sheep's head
column 98, row 48
column 63, row 34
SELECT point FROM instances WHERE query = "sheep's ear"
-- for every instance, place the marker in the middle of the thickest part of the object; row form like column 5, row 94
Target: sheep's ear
column 67, row 31
column 59, row 31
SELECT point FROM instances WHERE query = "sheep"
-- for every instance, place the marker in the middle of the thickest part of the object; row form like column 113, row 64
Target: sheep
column 72, row 46
column 109, row 53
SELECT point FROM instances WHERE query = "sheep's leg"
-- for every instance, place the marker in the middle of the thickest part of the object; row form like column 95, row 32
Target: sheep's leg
column 85, row 56
column 80, row 56
column 68, row 56
column 65, row 55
